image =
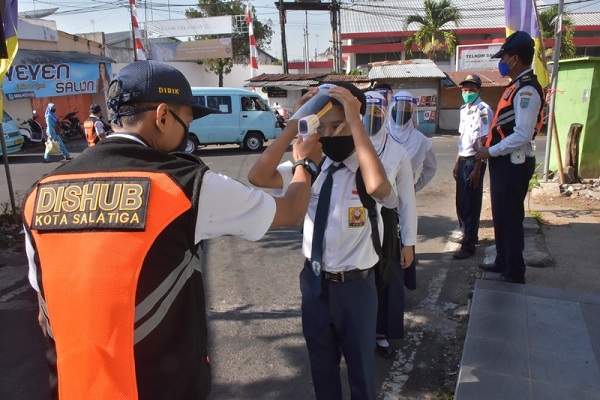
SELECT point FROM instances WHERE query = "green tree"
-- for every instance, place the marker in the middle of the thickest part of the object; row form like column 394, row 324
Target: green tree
column 239, row 41
column 427, row 38
column 548, row 20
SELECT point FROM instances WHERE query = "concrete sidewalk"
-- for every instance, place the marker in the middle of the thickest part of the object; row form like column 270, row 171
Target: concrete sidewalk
column 540, row 340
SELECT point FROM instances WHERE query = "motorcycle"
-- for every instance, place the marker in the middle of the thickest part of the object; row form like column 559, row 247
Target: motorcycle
column 32, row 130
column 71, row 127
column 280, row 120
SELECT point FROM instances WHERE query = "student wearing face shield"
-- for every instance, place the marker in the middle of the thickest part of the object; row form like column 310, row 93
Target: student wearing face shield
column 402, row 125
column 337, row 280
column 396, row 161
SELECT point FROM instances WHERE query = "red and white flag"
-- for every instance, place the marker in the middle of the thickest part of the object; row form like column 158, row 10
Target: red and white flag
column 253, row 51
column 139, row 47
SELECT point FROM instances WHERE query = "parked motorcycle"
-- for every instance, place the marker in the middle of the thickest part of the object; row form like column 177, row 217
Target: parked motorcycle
column 71, row 127
column 32, row 130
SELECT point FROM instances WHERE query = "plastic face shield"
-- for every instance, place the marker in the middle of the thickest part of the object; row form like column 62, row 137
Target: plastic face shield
column 402, row 109
column 318, row 105
column 374, row 119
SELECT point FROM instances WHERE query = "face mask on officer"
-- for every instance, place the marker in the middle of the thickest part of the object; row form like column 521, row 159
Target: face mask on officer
column 181, row 146
column 504, row 67
column 470, row 97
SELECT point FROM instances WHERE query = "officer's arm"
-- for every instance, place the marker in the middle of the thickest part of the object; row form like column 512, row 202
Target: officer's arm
column 292, row 206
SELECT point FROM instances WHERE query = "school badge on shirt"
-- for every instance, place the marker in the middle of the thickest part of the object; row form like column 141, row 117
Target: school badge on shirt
column 356, row 217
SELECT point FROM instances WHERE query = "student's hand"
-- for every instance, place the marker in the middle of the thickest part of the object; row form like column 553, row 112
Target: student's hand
column 349, row 101
column 310, row 148
column 455, row 170
column 307, row 96
column 407, row 256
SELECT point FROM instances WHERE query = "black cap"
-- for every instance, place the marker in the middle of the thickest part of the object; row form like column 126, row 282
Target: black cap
column 517, row 42
column 472, row 79
column 95, row 108
column 153, row 81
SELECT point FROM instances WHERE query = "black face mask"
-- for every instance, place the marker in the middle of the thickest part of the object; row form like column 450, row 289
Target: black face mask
column 405, row 116
column 181, row 146
column 337, row 148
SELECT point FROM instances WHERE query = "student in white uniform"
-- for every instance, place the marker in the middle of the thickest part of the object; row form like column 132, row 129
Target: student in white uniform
column 396, row 161
column 339, row 297
column 402, row 125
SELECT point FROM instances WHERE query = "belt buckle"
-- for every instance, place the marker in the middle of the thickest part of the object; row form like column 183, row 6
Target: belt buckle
column 338, row 277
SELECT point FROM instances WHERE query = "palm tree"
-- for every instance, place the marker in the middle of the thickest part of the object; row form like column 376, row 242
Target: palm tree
column 437, row 14
column 548, row 20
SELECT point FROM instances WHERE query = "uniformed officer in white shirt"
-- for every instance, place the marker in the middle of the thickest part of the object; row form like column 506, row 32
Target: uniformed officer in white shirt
column 518, row 119
column 339, row 308
column 475, row 119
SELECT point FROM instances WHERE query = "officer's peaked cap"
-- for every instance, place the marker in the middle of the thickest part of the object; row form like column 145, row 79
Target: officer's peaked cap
column 472, row 78
column 153, row 81
column 519, row 42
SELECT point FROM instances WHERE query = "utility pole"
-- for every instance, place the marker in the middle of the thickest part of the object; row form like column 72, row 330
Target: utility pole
column 282, row 22
column 553, row 82
column 306, row 50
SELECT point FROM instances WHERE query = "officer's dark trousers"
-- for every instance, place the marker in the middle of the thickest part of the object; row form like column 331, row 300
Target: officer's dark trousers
column 508, row 188
column 340, row 321
column 468, row 202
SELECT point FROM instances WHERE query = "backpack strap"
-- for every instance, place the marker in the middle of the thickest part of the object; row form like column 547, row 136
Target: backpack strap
column 369, row 203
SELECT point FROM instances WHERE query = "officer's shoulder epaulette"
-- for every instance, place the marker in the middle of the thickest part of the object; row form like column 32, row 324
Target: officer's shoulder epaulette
column 463, row 106
column 481, row 106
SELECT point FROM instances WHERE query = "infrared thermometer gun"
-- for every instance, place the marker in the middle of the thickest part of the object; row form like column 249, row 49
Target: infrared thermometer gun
column 308, row 125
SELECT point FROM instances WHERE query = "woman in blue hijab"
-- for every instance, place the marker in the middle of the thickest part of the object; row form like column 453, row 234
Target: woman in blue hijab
column 51, row 126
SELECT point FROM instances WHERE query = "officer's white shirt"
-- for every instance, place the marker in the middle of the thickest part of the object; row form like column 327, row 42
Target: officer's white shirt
column 396, row 161
column 475, row 123
column 227, row 207
column 527, row 104
column 347, row 242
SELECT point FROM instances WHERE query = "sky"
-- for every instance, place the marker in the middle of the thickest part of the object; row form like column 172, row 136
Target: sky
column 80, row 16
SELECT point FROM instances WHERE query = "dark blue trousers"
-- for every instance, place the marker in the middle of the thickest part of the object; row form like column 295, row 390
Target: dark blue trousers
column 468, row 202
column 508, row 188
column 340, row 321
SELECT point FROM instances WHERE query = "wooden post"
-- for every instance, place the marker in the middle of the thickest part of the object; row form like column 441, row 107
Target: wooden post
column 572, row 158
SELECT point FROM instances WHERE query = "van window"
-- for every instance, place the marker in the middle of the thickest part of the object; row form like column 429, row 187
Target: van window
column 220, row 103
column 5, row 117
column 199, row 100
column 253, row 104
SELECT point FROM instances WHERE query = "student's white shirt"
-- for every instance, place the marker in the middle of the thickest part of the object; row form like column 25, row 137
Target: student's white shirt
column 347, row 241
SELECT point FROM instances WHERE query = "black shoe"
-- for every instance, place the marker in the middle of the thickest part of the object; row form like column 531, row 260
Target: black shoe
column 462, row 254
column 46, row 161
column 507, row 279
column 386, row 352
column 490, row 267
column 68, row 158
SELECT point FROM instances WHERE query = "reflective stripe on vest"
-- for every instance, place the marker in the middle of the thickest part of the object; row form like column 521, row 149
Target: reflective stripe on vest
column 504, row 120
column 95, row 359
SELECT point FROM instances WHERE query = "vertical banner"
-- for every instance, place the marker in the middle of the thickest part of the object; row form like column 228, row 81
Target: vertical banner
column 253, row 51
column 9, row 21
column 139, row 47
column 521, row 15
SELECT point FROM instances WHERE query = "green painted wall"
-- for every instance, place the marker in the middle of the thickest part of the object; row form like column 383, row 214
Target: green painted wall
column 578, row 101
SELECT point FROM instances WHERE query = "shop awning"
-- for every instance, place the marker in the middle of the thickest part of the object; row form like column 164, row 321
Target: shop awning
column 54, row 57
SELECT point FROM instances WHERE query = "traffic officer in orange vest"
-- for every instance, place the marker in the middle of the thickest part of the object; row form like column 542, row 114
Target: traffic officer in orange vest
column 112, row 240
column 509, row 149
column 94, row 126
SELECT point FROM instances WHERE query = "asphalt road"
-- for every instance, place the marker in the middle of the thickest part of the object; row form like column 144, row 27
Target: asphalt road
column 253, row 300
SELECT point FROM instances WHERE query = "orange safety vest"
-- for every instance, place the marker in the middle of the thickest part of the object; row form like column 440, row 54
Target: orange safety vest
column 114, row 252
column 90, row 130
column 504, row 120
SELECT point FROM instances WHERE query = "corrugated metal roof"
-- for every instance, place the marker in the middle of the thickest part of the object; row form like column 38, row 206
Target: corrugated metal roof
column 360, row 81
column 405, row 69
column 389, row 15
column 283, row 84
column 489, row 78
column 286, row 77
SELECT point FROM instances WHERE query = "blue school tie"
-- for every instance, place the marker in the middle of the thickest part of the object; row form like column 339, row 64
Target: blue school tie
column 319, row 227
